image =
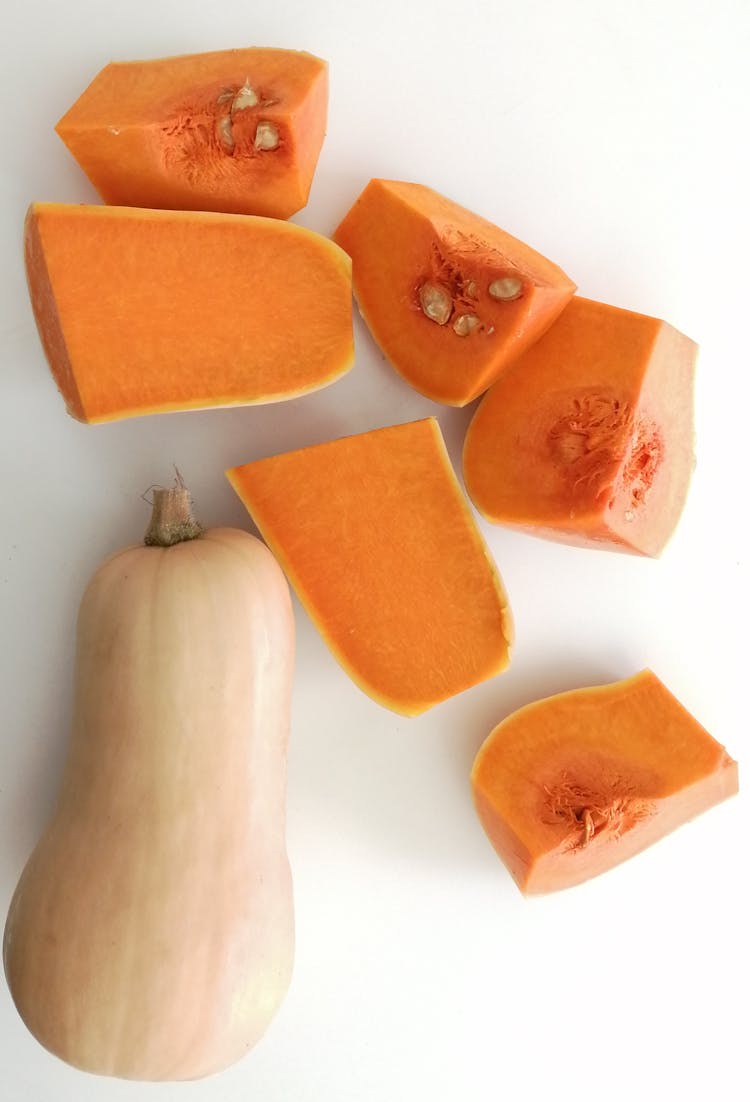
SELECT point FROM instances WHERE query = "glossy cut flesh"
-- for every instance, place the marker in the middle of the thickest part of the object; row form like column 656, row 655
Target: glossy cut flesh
column 402, row 235
column 378, row 540
column 143, row 311
column 149, row 133
column 588, row 438
column 572, row 785
column 151, row 935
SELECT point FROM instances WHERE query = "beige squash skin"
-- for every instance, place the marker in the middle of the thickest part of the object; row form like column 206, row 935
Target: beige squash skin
column 151, row 935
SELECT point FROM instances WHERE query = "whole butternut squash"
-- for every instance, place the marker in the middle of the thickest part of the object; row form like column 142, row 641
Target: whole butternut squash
column 151, row 934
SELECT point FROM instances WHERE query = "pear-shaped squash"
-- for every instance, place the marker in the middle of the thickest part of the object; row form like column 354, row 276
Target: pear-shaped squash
column 151, row 934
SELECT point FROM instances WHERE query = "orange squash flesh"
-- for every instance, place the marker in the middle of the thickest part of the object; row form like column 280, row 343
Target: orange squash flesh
column 573, row 785
column 144, row 311
column 588, row 437
column 238, row 131
column 380, row 545
column 449, row 297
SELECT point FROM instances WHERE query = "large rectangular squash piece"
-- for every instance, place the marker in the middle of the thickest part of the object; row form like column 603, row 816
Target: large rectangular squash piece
column 148, row 311
column 378, row 540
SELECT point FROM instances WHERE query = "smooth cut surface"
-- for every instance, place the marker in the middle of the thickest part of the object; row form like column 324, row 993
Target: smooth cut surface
column 143, row 311
column 378, row 540
column 187, row 132
column 588, row 438
column 151, row 935
column 450, row 298
column 569, row 786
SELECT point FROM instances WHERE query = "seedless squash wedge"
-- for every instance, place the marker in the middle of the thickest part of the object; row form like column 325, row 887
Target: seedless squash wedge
column 378, row 540
column 145, row 311
column 449, row 297
column 588, row 438
column 573, row 785
column 238, row 131
column 151, row 935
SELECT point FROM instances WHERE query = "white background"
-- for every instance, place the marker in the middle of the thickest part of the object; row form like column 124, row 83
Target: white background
column 613, row 137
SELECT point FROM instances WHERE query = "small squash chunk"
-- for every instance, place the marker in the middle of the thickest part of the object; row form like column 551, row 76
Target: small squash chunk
column 450, row 299
column 588, row 438
column 143, row 311
column 379, row 542
column 573, row 785
column 238, row 131
column 151, row 934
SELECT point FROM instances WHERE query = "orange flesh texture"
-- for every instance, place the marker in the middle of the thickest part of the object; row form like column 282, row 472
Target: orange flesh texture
column 588, row 437
column 165, row 133
column 380, row 545
column 403, row 237
column 145, row 311
column 573, row 785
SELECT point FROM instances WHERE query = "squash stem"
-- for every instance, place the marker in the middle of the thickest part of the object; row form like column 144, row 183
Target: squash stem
column 172, row 519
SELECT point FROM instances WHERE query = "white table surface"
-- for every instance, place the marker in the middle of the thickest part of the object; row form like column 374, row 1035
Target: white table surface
column 613, row 137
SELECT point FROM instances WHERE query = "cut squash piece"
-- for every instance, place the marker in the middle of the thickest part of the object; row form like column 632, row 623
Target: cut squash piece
column 588, row 437
column 573, row 785
column 379, row 543
column 450, row 299
column 238, row 131
column 144, row 311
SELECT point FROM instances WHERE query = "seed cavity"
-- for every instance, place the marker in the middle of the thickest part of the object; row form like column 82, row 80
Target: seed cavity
column 506, row 289
column 602, row 446
column 436, row 303
column 266, row 135
column 465, row 324
column 602, row 806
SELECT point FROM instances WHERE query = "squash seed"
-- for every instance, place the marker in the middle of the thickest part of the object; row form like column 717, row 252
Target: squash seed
column 266, row 136
column 224, row 132
column 436, row 303
column 246, row 97
column 464, row 324
column 506, row 289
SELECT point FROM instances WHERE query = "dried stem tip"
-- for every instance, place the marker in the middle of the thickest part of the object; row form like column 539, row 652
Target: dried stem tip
column 172, row 519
